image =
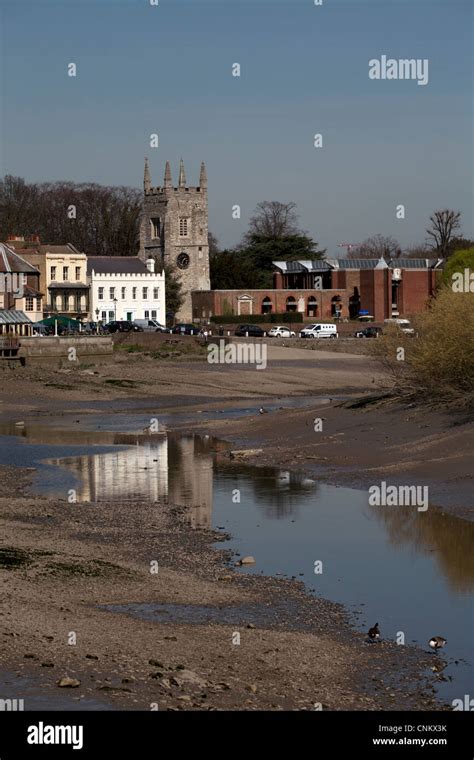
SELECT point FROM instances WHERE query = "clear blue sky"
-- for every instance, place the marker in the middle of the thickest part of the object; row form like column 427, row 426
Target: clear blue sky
column 304, row 69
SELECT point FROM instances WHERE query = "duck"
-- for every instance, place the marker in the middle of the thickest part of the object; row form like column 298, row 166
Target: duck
column 262, row 410
column 374, row 632
column 437, row 642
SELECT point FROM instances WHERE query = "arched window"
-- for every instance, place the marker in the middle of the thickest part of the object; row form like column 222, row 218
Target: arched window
column 267, row 305
column 290, row 303
column 312, row 307
column 336, row 306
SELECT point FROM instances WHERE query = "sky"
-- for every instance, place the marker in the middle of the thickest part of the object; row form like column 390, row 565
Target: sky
column 166, row 69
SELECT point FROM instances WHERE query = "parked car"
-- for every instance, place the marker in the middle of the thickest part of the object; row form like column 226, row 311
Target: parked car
column 122, row 325
column 90, row 328
column 280, row 331
column 150, row 325
column 185, row 328
column 368, row 332
column 403, row 324
column 254, row 331
column 319, row 330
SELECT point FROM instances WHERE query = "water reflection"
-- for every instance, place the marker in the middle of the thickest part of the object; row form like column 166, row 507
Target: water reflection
column 449, row 539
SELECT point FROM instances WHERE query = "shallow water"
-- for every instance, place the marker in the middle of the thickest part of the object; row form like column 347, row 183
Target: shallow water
column 413, row 572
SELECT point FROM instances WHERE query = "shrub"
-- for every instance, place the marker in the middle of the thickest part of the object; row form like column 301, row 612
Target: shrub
column 439, row 361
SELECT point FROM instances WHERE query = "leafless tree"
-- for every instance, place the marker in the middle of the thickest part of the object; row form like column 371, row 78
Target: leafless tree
column 376, row 246
column 444, row 223
column 273, row 219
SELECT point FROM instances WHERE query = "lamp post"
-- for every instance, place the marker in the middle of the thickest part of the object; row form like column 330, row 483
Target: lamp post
column 115, row 309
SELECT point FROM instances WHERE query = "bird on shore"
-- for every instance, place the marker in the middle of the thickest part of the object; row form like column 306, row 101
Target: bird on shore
column 262, row 410
column 374, row 632
column 437, row 642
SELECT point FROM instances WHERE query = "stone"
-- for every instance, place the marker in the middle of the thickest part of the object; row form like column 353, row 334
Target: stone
column 69, row 683
column 188, row 677
column 252, row 688
column 249, row 560
column 156, row 663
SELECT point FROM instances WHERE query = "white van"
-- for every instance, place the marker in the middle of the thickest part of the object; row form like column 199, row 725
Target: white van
column 319, row 330
column 403, row 324
column 150, row 325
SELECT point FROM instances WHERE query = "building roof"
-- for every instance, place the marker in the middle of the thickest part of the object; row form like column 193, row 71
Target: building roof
column 68, row 285
column 322, row 265
column 10, row 261
column 115, row 265
column 13, row 316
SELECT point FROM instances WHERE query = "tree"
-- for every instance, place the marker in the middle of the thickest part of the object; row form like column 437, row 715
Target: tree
column 376, row 247
column 173, row 287
column 231, row 270
column 272, row 219
column 459, row 261
column 443, row 224
column 213, row 243
column 417, row 251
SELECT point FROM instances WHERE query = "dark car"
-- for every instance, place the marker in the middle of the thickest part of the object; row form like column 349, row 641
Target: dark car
column 255, row 331
column 368, row 332
column 185, row 328
column 122, row 326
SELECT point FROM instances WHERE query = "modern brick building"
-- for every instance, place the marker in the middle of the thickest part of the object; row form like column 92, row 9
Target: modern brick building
column 331, row 288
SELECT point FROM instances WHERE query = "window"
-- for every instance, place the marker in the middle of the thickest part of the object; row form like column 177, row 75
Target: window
column 134, row 293
column 111, row 316
column 104, row 316
column 183, row 227
column 78, row 273
column 147, row 314
column 155, row 227
column 145, row 293
column 101, row 294
column 267, row 305
column 123, row 292
column 153, row 313
column 29, row 303
column 112, row 293
column 155, row 294
column 53, row 273
column 65, row 273
column 38, row 304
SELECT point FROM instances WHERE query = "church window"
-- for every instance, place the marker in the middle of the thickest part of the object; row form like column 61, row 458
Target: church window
column 155, row 227
column 183, row 227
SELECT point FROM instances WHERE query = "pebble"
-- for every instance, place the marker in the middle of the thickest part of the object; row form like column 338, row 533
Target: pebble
column 247, row 560
column 67, row 682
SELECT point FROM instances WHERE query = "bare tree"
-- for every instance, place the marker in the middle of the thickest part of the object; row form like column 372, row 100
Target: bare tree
column 272, row 219
column 443, row 224
column 417, row 251
column 377, row 246
column 213, row 243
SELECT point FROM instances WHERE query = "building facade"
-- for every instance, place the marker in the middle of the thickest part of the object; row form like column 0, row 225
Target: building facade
column 331, row 289
column 19, row 284
column 174, row 230
column 124, row 287
column 63, row 276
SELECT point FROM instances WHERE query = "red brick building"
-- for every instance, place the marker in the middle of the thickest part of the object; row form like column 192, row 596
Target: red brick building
column 329, row 288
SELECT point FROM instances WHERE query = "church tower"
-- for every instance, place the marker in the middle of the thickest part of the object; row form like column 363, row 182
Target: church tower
column 174, row 227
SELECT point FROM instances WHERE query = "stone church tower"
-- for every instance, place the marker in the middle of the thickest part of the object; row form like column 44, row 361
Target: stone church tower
column 174, row 228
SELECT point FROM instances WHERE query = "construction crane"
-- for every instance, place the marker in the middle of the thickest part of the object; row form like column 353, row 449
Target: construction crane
column 349, row 246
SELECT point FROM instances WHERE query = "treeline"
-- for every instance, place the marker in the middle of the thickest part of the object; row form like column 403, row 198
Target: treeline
column 99, row 220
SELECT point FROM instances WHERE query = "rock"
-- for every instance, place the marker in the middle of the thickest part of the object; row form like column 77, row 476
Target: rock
column 29, row 656
column 66, row 682
column 188, row 677
column 247, row 560
column 166, row 683
column 47, row 664
column 91, row 657
column 156, row 663
column 252, row 688
column 225, row 578
column 250, row 625
column 170, row 638
column 184, row 698
column 157, row 674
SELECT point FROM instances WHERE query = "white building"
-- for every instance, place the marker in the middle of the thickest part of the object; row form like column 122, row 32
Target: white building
column 123, row 287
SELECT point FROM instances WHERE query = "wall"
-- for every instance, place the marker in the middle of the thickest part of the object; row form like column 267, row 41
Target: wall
column 57, row 348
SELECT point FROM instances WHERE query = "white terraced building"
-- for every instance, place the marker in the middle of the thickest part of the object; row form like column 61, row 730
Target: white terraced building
column 123, row 287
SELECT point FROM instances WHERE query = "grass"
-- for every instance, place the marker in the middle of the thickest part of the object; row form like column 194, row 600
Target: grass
column 93, row 569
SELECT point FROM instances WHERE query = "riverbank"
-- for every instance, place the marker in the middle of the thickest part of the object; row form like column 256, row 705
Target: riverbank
column 63, row 564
